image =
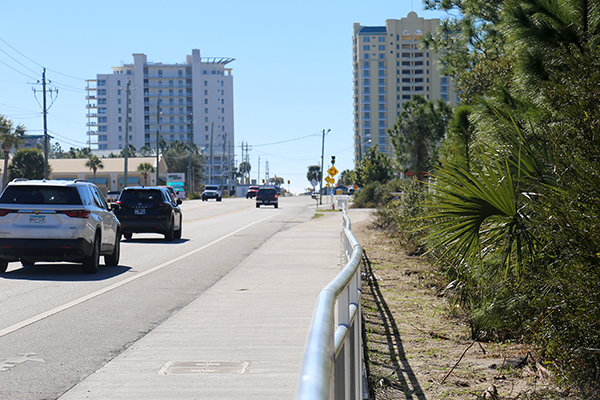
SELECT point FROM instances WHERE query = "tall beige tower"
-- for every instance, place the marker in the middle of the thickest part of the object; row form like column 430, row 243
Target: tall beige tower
column 389, row 69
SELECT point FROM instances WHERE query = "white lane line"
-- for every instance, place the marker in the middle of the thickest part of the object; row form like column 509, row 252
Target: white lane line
column 80, row 300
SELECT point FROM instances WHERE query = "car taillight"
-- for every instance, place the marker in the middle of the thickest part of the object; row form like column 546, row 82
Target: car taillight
column 76, row 213
column 118, row 202
column 4, row 212
column 275, row 196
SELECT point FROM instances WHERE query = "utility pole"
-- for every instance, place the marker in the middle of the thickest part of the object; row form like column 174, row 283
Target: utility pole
column 322, row 167
column 223, row 162
column 211, row 152
column 45, row 126
column 258, row 180
column 191, row 143
column 126, row 135
column 157, row 136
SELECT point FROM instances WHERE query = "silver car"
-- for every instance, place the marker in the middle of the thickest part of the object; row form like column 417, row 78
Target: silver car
column 57, row 221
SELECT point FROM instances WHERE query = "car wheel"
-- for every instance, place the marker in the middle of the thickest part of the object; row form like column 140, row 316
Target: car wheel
column 276, row 205
column 169, row 235
column 179, row 231
column 258, row 206
column 26, row 262
column 128, row 235
column 218, row 199
column 112, row 260
column 92, row 263
column 3, row 266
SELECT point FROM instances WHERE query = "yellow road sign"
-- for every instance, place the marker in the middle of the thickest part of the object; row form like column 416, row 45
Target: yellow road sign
column 329, row 179
column 332, row 171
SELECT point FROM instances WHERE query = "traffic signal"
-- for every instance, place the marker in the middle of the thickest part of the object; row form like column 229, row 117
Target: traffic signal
column 332, row 160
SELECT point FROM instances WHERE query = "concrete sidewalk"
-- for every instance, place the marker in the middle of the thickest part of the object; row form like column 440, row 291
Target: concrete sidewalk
column 244, row 337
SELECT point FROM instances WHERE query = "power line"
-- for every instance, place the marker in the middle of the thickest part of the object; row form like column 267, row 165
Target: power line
column 36, row 63
column 284, row 141
column 16, row 70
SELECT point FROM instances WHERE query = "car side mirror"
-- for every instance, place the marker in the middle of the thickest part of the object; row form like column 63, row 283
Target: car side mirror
column 179, row 201
column 114, row 207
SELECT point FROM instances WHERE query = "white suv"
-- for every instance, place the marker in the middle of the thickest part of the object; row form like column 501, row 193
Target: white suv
column 57, row 221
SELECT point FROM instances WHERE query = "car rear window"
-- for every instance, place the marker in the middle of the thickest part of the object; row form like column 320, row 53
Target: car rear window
column 267, row 191
column 141, row 196
column 61, row 195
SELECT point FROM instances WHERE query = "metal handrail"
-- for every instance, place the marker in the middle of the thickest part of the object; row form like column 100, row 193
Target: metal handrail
column 332, row 367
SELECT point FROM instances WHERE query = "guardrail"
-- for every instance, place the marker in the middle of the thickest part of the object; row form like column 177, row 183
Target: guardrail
column 332, row 367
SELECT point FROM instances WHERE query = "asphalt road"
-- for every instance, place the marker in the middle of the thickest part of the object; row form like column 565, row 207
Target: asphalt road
column 59, row 325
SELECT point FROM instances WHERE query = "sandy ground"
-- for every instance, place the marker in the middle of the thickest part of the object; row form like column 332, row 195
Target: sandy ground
column 417, row 349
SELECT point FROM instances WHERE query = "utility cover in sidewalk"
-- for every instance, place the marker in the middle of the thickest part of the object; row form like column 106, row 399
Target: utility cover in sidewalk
column 204, row 367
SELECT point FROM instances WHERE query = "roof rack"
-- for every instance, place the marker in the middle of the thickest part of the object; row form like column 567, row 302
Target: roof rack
column 20, row 179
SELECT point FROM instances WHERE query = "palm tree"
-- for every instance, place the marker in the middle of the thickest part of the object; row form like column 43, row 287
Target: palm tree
column 145, row 169
column 94, row 163
column 10, row 138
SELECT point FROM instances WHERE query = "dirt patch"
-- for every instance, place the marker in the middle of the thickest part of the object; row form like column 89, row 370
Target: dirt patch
column 416, row 349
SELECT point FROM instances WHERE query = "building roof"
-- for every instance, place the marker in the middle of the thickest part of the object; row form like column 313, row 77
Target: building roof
column 75, row 165
column 368, row 30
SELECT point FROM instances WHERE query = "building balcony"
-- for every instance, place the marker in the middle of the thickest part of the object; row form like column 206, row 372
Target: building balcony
column 91, row 115
column 92, row 123
column 91, row 106
column 92, row 97
column 89, row 133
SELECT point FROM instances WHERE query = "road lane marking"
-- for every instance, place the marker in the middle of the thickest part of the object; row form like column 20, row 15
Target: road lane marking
column 125, row 281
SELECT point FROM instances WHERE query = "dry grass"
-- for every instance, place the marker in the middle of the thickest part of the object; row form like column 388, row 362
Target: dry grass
column 417, row 349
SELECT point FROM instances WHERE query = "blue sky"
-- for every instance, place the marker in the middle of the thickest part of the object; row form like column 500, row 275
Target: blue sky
column 292, row 69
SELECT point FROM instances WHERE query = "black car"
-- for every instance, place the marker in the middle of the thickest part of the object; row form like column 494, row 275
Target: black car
column 149, row 209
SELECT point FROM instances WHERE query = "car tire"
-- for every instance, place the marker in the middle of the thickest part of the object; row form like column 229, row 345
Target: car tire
column 3, row 266
column 218, row 199
column 258, row 206
column 91, row 264
column 276, row 205
column 112, row 260
column 128, row 235
column 170, row 233
column 179, row 231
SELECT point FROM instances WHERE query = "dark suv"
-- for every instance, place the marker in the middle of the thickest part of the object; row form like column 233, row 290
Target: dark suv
column 149, row 209
column 266, row 197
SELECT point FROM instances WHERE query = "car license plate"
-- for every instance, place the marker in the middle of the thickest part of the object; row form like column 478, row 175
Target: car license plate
column 140, row 211
column 37, row 219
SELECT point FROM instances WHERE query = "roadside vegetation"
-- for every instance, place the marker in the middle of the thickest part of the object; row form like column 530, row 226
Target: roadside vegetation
column 502, row 194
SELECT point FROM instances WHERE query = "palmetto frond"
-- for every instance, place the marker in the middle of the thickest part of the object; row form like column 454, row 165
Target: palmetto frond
column 476, row 214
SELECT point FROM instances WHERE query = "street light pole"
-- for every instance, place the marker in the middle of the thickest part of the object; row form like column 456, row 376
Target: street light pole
column 322, row 167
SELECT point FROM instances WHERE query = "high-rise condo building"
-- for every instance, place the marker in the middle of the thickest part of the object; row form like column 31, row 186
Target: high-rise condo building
column 189, row 102
column 389, row 69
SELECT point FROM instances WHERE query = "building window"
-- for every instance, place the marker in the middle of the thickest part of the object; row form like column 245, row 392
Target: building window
column 102, row 110
column 101, row 82
column 382, row 47
column 381, row 39
column 366, row 39
column 367, row 56
column 102, row 128
column 366, row 47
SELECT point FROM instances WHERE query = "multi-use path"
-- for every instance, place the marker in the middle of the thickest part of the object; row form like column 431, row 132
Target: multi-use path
column 243, row 338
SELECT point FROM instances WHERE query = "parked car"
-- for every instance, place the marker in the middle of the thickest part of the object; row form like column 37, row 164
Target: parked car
column 266, row 197
column 57, row 221
column 149, row 209
column 251, row 193
column 211, row 192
